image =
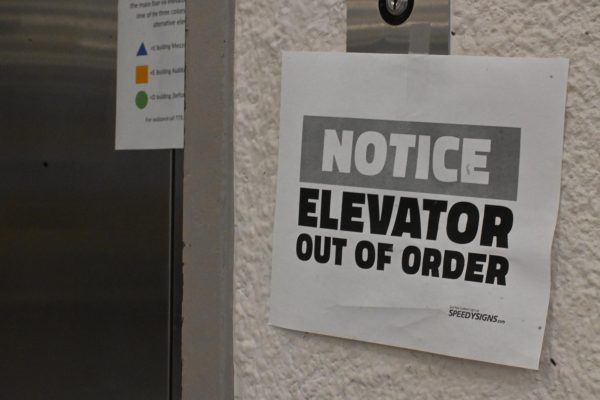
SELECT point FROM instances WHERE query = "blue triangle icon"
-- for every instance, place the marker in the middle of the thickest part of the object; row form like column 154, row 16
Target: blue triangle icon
column 142, row 51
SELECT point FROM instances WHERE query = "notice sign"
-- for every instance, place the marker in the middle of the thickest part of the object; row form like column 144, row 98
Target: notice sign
column 417, row 199
column 150, row 74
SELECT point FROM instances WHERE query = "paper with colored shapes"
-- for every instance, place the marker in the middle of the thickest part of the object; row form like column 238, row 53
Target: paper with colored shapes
column 150, row 75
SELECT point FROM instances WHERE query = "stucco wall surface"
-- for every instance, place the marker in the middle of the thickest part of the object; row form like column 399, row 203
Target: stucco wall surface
column 272, row 363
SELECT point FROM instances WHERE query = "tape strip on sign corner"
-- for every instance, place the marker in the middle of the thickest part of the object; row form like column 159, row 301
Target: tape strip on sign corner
column 415, row 205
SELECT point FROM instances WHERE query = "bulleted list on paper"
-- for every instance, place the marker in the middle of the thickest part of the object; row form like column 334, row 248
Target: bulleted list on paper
column 150, row 74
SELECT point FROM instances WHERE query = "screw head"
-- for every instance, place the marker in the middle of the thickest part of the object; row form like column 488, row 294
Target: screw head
column 396, row 7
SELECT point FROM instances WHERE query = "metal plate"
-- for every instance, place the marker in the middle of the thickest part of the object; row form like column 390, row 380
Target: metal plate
column 427, row 30
column 85, row 231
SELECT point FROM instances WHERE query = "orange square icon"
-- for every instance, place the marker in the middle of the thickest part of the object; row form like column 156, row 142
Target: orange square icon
column 141, row 74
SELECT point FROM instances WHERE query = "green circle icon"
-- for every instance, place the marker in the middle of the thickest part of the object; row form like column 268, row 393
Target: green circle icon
column 141, row 100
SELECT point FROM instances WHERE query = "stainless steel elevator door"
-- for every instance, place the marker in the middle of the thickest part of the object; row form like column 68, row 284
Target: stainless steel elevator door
column 85, row 231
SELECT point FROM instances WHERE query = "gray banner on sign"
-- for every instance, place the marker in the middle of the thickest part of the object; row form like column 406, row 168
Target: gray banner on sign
column 502, row 160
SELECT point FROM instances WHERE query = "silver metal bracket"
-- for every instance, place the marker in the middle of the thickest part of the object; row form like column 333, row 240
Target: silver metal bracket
column 398, row 26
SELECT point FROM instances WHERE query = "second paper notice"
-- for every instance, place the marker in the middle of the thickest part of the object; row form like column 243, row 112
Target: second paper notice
column 417, row 200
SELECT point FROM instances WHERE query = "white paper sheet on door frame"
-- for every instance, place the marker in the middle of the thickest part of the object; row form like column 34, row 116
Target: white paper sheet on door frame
column 150, row 75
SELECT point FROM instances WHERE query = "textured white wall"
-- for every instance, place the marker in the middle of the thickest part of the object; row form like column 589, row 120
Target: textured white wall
column 271, row 363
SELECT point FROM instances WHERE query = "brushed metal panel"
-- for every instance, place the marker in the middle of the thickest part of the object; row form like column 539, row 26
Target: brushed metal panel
column 369, row 33
column 85, row 231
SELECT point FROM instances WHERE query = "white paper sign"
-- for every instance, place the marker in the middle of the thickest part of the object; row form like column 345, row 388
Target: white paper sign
column 417, row 199
column 150, row 74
